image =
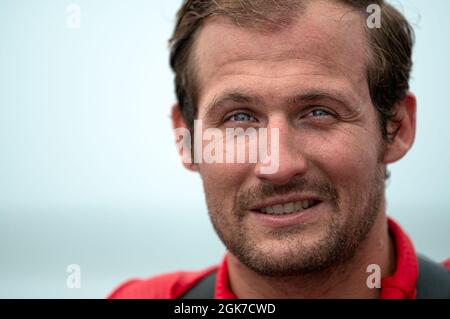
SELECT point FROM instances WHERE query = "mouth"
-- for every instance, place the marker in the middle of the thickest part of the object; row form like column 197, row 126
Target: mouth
column 288, row 208
column 287, row 212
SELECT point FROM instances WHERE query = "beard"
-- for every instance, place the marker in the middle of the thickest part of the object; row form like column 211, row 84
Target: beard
column 287, row 251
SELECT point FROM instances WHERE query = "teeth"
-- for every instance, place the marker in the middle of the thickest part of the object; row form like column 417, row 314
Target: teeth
column 278, row 209
column 288, row 208
column 305, row 204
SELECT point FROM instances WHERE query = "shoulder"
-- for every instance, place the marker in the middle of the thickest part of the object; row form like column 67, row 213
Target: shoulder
column 447, row 264
column 165, row 286
column 434, row 279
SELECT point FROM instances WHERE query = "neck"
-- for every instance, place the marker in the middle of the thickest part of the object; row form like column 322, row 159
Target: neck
column 348, row 280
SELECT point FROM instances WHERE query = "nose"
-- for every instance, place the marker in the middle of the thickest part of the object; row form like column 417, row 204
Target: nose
column 291, row 160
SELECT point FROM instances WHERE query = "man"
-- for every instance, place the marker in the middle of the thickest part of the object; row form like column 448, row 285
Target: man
column 334, row 85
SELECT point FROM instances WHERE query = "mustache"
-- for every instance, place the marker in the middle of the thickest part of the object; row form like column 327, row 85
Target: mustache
column 324, row 189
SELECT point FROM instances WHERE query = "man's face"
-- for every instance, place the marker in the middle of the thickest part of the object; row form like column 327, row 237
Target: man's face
column 309, row 81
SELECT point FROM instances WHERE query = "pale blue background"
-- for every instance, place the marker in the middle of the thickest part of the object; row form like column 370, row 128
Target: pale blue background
column 88, row 171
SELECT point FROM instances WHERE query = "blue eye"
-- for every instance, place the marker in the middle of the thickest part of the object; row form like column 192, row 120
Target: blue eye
column 241, row 117
column 320, row 112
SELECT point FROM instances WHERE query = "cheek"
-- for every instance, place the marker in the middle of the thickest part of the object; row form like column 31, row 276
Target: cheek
column 223, row 181
column 349, row 160
column 224, row 177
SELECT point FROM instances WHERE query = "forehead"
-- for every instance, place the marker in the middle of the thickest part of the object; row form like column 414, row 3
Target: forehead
column 324, row 44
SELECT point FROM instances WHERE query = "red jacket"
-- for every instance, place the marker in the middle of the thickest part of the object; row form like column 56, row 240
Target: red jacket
column 401, row 285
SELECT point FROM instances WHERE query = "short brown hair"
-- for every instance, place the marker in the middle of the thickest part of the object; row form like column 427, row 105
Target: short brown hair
column 388, row 68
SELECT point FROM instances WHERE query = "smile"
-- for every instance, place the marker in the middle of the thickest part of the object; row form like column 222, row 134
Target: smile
column 289, row 208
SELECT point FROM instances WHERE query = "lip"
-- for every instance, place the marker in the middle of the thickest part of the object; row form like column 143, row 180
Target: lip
column 284, row 200
column 277, row 221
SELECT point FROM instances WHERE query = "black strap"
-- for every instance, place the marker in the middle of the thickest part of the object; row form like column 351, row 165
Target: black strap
column 204, row 289
column 433, row 283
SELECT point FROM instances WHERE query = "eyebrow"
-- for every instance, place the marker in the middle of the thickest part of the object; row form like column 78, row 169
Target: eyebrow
column 241, row 96
column 315, row 95
column 234, row 96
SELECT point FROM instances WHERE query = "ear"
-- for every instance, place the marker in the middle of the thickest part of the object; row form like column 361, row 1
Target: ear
column 182, row 138
column 405, row 124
